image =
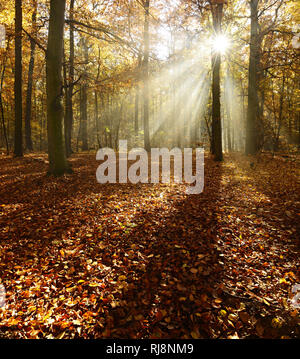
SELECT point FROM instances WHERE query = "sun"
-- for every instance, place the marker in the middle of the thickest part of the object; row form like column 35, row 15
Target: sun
column 220, row 43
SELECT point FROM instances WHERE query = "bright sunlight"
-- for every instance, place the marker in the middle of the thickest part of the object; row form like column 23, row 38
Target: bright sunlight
column 220, row 44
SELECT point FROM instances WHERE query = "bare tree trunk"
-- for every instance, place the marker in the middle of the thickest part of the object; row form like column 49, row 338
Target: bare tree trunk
column 84, row 118
column 280, row 112
column 66, row 96
column 56, row 149
column 137, row 99
column 18, row 148
column 146, row 77
column 136, row 109
column 97, row 119
column 253, row 106
column 84, row 122
column 69, row 99
column 28, row 139
column 1, row 103
column 229, row 111
column 216, row 106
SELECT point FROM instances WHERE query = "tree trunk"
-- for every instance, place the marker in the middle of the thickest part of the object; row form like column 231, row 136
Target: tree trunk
column 146, row 77
column 216, row 106
column 18, row 148
column 84, row 118
column 280, row 112
column 97, row 119
column 56, row 149
column 229, row 110
column 136, row 109
column 28, row 139
column 69, row 99
column 253, row 106
column 137, row 99
column 1, row 102
column 66, row 97
column 84, row 99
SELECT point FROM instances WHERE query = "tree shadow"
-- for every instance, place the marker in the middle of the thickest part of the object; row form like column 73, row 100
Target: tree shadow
column 170, row 295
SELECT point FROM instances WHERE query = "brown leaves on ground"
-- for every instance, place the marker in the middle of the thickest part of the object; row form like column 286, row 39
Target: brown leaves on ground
column 80, row 259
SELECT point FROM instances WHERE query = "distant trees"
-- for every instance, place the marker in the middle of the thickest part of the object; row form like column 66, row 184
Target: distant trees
column 163, row 84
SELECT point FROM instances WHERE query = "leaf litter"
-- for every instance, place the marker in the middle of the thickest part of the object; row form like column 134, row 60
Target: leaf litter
column 84, row 260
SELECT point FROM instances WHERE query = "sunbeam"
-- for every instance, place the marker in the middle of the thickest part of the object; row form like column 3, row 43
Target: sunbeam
column 220, row 44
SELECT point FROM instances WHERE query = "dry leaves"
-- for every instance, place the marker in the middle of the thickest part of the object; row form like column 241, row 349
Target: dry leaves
column 79, row 259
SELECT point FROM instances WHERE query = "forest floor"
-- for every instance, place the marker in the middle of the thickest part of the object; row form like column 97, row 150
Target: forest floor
column 80, row 259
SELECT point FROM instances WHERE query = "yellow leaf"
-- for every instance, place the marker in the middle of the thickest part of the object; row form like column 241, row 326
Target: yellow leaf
column 93, row 285
column 47, row 315
column 232, row 317
column 276, row 323
column 32, row 308
column 71, row 289
column 223, row 313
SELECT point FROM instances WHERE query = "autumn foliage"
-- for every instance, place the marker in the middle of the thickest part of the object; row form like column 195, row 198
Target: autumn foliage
column 80, row 259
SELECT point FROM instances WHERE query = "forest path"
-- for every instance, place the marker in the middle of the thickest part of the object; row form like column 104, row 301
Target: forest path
column 79, row 259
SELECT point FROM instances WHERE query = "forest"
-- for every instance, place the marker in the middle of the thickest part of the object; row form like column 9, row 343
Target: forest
column 206, row 92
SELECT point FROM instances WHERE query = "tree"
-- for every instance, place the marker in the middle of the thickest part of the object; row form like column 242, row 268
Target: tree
column 28, row 140
column 56, row 149
column 84, row 97
column 217, row 13
column 1, row 101
column 137, row 98
column 253, row 105
column 69, row 90
column 18, row 148
column 146, row 77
